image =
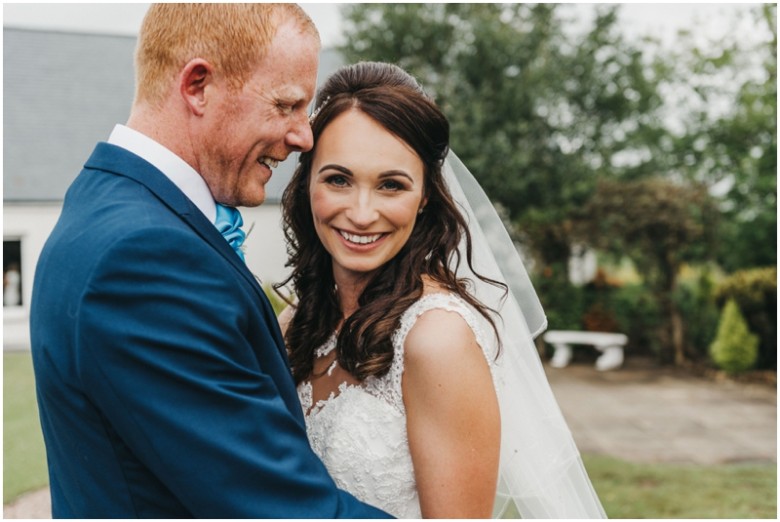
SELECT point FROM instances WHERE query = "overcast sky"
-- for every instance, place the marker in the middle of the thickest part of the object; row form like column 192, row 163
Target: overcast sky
column 661, row 20
column 126, row 18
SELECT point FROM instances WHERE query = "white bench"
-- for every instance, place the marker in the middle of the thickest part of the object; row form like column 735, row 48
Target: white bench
column 609, row 344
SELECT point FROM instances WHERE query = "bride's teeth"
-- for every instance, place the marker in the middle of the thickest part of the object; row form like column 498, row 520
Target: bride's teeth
column 362, row 240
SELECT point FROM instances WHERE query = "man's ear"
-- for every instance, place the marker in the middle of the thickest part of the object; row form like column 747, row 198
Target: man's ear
column 193, row 79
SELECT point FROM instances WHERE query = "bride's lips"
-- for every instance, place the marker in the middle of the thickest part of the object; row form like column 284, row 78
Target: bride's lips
column 360, row 242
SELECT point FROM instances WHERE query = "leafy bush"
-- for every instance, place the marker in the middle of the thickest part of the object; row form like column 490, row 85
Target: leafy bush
column 599, row 318
column 755, row 292
column 695, row 299
column 599, row 315
column 735, row 349
column 603, row 305
column 638, row 316
column 562, row 301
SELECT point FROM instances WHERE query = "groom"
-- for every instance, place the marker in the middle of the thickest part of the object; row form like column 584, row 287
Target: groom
column 161, row 375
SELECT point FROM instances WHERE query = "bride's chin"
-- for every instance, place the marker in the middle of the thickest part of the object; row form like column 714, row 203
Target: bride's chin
column 356, row 273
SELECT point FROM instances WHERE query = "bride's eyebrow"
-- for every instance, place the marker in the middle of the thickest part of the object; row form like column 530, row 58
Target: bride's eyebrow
column 394, row 173
column 333, row 166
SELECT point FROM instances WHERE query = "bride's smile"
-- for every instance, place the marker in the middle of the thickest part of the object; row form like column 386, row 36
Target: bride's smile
column 364, row 204
column 360, row 239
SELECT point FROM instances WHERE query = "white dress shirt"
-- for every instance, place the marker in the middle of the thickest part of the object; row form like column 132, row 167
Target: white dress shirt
column 175, row 169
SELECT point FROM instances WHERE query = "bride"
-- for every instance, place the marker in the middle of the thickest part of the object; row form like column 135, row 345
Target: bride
column 412, row 338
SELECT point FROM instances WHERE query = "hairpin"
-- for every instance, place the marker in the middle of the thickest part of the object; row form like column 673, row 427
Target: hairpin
column 317, row 110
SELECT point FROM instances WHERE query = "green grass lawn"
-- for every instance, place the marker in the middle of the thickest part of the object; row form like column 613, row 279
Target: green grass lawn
column 627, row 490
column 24, row 456
column 630, row 490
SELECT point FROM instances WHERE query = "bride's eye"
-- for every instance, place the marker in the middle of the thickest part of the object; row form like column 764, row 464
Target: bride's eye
column 337, row 180
column 393, row 185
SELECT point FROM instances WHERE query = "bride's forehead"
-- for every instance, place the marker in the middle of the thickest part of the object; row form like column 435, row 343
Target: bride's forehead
column 354, row 121
column 363, row 146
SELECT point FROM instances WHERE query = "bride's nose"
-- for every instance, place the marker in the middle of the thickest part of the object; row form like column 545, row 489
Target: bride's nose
column 362, row 211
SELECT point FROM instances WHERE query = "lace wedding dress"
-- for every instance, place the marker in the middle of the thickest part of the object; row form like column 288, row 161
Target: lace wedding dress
column 359, row 432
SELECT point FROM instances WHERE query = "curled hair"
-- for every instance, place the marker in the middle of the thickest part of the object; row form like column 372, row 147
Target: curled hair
column 392, row 98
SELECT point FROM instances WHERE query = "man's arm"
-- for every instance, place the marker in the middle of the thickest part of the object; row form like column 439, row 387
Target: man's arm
column 169, row 363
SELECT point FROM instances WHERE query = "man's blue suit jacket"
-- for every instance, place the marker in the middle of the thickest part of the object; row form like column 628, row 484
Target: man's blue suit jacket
column 161, row 374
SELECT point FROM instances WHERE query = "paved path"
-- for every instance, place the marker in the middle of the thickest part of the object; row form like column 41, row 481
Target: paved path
column 32, row 505
column 638, row 413
column 643, row 414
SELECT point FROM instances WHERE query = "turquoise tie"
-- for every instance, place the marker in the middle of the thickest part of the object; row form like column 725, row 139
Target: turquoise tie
column 229, row 224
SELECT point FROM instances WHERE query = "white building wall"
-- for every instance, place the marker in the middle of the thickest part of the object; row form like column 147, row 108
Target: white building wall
column 31, row 224
column 265, row 252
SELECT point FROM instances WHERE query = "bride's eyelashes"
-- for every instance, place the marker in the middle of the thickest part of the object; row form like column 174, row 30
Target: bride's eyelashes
column 389, row 185
column 393, row 185
column 337, row 180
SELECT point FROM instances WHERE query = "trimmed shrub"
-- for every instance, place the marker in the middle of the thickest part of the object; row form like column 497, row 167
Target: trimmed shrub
column 735, row 349
column 755, row 292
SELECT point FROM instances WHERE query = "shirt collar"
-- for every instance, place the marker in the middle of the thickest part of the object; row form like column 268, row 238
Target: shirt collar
column 175, row 169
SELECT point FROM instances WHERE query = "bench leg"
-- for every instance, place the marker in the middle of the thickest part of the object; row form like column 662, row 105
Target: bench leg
column 561, row 356
column 610, row 359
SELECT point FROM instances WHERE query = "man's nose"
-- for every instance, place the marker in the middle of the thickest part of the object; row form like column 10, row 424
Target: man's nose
column 299, row 137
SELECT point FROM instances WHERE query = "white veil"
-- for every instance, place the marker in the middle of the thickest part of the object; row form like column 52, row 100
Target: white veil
column 541, row 471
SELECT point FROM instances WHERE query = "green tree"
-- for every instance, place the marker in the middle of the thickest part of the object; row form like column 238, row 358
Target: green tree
column 537, row 113
column 735, row 349
column 727, row 135
column 540, row 113
column 660, row 224
column 748, row 138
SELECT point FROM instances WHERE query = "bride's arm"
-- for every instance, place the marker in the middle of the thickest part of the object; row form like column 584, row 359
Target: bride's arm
column 452, row 418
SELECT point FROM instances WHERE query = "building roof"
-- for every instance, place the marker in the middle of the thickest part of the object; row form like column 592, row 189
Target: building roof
column 62, row 93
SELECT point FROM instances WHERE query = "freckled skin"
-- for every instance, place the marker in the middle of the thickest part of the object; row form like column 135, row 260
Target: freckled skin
column 266, row 118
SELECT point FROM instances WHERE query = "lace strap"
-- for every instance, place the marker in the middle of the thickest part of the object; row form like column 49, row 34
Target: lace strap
column 389, row 386
column 441, row 301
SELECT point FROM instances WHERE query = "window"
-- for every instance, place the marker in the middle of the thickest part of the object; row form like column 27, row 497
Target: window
column 12, row 273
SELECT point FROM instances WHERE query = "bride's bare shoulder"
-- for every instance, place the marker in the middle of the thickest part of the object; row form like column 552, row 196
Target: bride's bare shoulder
column 431, row 286
column 438, row 331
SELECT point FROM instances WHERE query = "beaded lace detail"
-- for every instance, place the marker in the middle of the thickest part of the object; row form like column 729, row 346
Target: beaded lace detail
column 359, row 431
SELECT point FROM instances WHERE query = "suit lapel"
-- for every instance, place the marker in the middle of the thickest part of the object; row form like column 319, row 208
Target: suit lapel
column 119, row 161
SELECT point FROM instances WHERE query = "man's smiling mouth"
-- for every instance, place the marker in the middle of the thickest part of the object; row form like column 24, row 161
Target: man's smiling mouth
column 268, row 162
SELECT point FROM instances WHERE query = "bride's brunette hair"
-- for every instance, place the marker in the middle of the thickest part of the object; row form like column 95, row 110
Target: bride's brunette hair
column 394, row 99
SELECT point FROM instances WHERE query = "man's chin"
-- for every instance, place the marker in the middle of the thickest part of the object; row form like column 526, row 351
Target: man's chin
column 253, row 200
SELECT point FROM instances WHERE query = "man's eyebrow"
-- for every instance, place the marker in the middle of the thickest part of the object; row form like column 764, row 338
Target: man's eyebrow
column 291, row 96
